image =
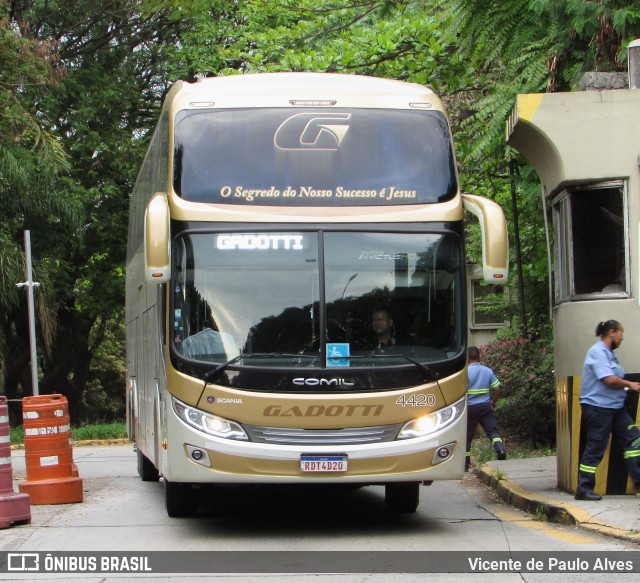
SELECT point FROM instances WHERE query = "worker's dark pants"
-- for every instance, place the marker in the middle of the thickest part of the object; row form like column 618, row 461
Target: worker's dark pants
column 483, row 414
column 600, row 423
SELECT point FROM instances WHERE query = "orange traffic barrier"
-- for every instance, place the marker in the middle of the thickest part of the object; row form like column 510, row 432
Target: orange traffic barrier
column 14, row 507
column 52, row 477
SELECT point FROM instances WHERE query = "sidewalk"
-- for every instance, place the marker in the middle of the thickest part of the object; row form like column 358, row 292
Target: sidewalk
column 531, row 485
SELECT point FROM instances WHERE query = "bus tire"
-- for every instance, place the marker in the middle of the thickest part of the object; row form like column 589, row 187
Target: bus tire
column 180, row 499
column 146, row 470
column 402, row 497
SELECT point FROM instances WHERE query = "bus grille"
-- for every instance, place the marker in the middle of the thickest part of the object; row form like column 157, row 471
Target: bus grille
column 348, row 436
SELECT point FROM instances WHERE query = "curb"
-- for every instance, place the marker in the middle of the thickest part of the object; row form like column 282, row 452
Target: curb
column 115, row 441
column 555, row 512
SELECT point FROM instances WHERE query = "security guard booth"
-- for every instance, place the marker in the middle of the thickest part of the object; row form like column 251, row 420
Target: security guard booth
column 585, row 147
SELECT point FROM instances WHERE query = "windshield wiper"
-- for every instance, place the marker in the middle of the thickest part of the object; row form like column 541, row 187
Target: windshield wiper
column 430, row 374
column 214, row 372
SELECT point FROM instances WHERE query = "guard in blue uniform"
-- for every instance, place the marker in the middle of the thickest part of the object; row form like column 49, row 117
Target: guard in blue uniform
column 482, row 381
column 602, row 395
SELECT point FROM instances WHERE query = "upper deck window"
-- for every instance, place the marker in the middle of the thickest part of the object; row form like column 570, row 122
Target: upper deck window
column 293, row 157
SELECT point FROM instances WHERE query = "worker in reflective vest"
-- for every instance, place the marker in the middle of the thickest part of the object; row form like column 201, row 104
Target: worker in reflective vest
column 482, row 381
column 603, row 392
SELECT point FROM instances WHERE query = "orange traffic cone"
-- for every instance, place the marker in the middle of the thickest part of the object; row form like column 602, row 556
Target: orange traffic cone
column 52, row 477
column 14, row 507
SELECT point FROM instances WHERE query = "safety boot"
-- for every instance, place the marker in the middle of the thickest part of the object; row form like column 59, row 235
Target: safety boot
column 501, row 452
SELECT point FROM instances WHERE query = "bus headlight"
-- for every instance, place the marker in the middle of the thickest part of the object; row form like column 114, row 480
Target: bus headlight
column 433, row 422
column 211, row 424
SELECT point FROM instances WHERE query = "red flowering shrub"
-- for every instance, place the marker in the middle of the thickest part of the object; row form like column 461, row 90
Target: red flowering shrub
column 526, row 406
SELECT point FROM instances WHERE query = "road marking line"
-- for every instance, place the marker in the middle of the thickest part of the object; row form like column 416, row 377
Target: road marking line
column 547, row 528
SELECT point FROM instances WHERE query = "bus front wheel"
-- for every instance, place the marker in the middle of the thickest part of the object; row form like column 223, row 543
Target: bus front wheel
column 180, row 499
column 402, row 497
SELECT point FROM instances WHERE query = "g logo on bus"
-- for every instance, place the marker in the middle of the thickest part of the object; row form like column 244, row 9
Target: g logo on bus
column 312, row 131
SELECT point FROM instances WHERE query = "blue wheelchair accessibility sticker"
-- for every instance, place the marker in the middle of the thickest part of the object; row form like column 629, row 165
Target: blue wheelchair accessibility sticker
column 338, row 354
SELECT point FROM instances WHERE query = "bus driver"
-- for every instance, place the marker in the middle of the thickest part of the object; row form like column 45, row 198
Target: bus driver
column 382, row 324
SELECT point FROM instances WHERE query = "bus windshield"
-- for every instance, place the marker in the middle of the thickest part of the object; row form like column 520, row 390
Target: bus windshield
column 344, row 157
column 328, row 298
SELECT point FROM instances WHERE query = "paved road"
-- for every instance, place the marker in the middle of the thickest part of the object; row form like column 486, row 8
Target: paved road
column 122, row 513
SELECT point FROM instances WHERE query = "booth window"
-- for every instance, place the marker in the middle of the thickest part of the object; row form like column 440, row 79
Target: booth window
column 590, row 244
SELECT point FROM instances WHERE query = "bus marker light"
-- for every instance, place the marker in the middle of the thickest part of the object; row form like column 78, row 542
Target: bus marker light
column 313, row 102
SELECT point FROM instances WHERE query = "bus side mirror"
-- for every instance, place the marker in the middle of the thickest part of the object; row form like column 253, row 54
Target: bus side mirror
column 157, row 251
column 495, row 239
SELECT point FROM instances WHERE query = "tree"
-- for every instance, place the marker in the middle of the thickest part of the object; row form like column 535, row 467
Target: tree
column 526, row 46
column 114, row 61
column 529, row 46
column 94, row 118
column 31, row 160
column 383, row 38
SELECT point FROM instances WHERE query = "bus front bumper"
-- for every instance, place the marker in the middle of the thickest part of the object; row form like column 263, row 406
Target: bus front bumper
column 192, row 456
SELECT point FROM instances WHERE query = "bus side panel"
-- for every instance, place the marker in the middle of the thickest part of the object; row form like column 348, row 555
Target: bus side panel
column 131, row 397
column 142, row 360
column 149, row 375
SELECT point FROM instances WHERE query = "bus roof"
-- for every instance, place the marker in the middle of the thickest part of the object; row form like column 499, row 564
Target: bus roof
column 301, row 89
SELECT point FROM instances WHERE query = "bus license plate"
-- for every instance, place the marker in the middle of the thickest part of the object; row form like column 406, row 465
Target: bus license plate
column 332, row 463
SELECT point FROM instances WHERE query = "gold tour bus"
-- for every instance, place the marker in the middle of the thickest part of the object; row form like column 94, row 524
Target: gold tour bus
column 273, row 216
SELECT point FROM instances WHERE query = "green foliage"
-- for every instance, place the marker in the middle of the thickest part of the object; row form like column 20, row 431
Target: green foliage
column 482, row 451
column 91, row 105
column 103, row 397
column 530, row 46
column 526, row 406
column 525, row 46
column 113, row 430
column 401, row 40
column 16, row 435
column 11, row 270
column 542, row 512
column 31, row 161
column 497, row 306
